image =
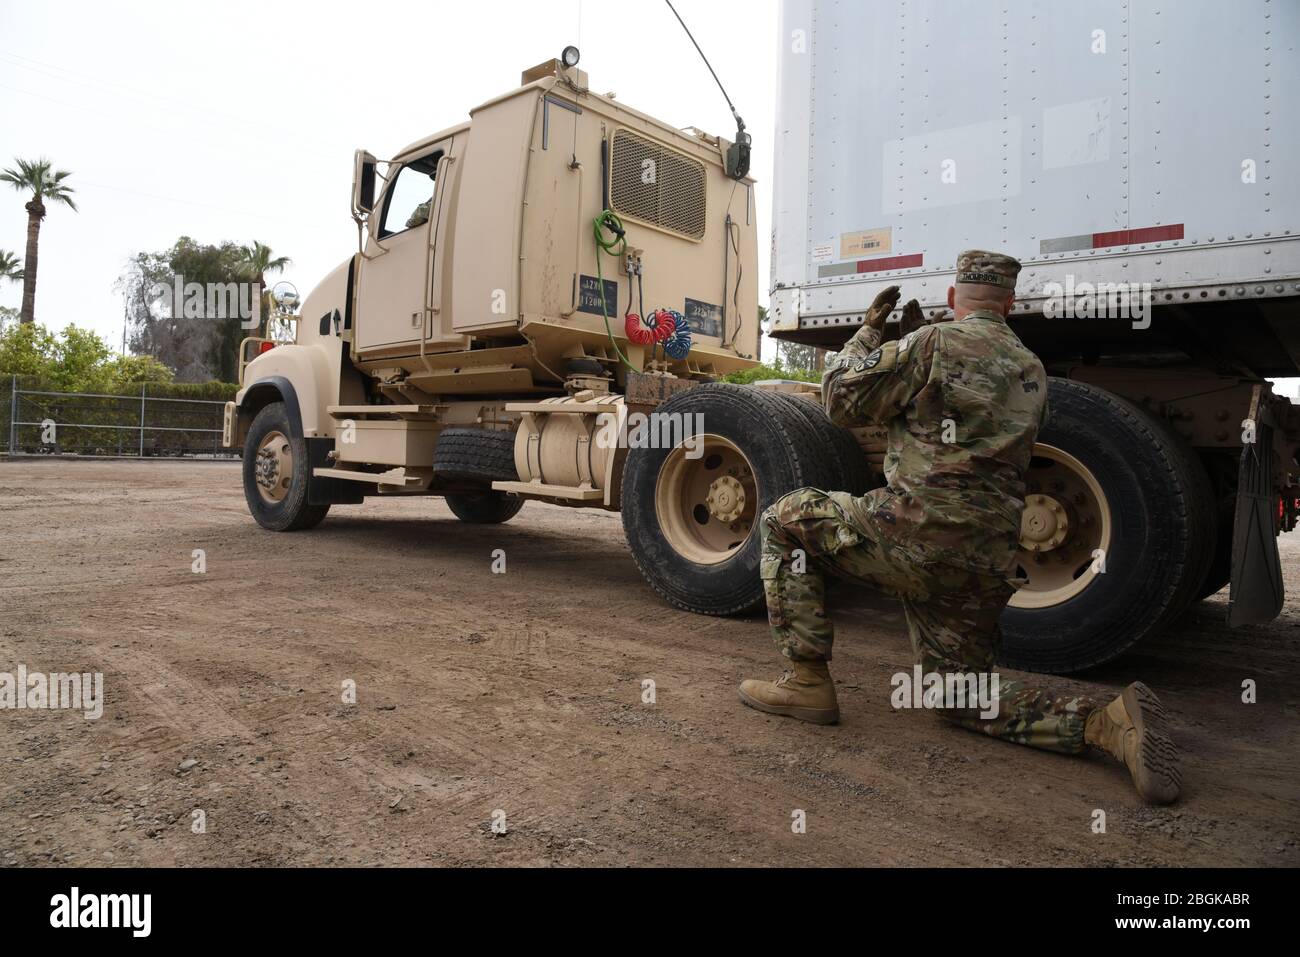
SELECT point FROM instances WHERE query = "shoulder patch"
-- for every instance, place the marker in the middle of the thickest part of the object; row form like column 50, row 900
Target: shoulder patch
column 883, row 359
column 870, row 362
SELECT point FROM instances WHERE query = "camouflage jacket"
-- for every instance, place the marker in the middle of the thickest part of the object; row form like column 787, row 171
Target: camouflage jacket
column 963, row 403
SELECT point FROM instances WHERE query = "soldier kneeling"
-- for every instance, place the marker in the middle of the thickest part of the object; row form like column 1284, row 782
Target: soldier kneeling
column 963, row 402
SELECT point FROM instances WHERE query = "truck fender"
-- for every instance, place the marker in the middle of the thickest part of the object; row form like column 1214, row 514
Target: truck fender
column 314, row 375
column 263, row 392
column 320, row 490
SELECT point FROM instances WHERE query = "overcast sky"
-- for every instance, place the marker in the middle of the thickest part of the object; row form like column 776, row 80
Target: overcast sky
column 237, row 120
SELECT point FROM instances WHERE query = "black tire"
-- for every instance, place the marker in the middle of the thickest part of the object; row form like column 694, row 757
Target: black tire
column 1204, row 532
column 780, row 446
column 476, row 456
column 484, row 508
column 293, row 512
column 1156, row 548
column 1220, row 574
column 846, row 462
column 812, row 444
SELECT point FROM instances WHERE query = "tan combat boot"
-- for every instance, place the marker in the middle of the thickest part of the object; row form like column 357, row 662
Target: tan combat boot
column 805, row 692
column 1133, row 728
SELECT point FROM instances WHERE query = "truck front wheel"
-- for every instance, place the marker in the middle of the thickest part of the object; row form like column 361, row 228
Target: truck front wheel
column 277, row 474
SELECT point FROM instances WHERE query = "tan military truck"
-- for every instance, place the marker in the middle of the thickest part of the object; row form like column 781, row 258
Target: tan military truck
column 477, row 348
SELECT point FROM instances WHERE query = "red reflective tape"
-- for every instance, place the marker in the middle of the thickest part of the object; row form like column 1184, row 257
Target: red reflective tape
column 1129, row 237
column 890, row 262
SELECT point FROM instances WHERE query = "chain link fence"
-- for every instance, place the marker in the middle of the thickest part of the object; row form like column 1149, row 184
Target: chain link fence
column 146, row 421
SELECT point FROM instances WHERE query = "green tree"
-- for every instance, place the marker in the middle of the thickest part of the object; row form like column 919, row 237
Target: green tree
column 77, row 360
column 795, row 357
column 773, row 371
column 11, row 266
column 254, row 262
column 12, row 269
column 44, row 184
column 80, row 357
column 27, row 349
column 134, row 370
column 801, row 357
column 199, row 349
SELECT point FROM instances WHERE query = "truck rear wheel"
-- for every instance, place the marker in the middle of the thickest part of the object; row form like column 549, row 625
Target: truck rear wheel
column 691, row 515
column 845, row 461
column 277, row 474
column 484, row 508
column 1115, row 537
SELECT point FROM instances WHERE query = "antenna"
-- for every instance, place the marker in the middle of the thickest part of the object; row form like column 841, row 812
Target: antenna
column 738, row 152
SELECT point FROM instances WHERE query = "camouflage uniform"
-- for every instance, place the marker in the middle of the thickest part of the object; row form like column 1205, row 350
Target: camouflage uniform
column 963, row 402
column 420, row 215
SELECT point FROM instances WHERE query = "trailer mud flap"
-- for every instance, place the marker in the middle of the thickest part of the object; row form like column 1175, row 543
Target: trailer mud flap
column 1257, row 589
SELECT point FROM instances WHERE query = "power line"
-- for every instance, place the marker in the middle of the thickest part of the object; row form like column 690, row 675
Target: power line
column 105, row 86
column 189, row 202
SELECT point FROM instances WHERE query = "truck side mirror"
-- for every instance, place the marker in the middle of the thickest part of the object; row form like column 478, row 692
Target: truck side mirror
column 363, row 183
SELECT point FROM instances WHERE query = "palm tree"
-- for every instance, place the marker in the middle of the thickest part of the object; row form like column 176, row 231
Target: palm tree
column 254, row 262
column 36, row 177
column 11, row 266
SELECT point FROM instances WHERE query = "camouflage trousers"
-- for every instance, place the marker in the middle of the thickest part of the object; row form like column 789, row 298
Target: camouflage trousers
column 952, row 614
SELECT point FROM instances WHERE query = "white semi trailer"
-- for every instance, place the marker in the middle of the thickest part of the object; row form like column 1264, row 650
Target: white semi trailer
column 1140, row 158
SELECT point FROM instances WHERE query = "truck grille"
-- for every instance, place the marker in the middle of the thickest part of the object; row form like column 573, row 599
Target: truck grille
column 657, row 185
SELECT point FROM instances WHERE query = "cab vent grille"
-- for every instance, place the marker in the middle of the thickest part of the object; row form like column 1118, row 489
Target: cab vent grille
column 657, row 185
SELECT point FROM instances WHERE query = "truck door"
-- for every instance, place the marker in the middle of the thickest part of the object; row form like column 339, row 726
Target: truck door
column 393, row 287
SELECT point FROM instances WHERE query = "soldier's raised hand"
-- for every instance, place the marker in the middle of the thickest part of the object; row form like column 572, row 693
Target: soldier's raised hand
column 913, row 318
column 882, row 307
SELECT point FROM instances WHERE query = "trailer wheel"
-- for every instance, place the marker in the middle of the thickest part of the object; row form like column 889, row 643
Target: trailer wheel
column 1194, row 479
column 1113, row 538
column 276, row 474
column 1220, row 574
column 484, row 508
column 691, row 515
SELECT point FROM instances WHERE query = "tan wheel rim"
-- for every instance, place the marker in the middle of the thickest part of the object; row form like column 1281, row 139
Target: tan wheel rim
column 1065, row 531
column 273, row 467
column 707, row 504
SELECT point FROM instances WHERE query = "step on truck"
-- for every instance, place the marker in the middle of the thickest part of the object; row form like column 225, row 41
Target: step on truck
column 1139, row 158
column 541, row 308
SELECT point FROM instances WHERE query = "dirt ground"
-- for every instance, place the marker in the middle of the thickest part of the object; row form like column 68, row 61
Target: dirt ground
column 479, row 693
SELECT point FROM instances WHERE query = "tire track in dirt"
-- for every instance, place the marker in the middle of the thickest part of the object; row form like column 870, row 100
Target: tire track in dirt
column 523, row 692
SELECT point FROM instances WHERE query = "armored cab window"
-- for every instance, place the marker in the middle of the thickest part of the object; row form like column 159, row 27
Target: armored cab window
column 410, row 199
